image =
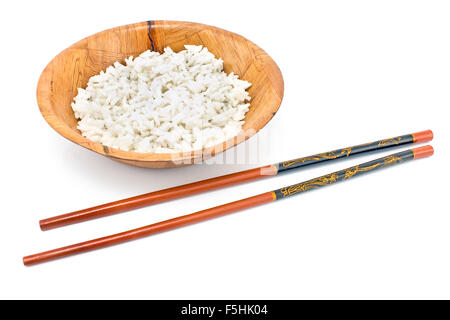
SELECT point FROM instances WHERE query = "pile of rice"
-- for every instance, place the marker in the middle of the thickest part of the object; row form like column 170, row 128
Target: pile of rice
column 163, row 103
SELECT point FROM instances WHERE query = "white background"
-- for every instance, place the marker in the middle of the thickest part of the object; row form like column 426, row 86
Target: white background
column 354, row 71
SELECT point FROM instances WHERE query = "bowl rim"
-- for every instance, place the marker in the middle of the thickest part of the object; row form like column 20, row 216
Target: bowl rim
column 43, row 94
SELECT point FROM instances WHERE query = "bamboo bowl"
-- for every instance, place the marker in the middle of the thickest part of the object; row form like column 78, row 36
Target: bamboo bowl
column 73, row 67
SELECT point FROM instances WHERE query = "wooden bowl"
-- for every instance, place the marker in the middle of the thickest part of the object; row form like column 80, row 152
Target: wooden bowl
column 73, row 67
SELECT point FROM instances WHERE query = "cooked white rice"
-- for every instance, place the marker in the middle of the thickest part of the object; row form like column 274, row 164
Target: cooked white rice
column 163, row 103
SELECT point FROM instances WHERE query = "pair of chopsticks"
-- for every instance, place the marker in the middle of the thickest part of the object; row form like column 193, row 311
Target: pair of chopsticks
column 228, row 180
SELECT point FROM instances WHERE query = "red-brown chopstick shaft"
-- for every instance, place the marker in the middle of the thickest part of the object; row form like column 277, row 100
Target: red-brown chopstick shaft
column 270, row 196
column 150, row 229
column 227, row 180
column 156, row 197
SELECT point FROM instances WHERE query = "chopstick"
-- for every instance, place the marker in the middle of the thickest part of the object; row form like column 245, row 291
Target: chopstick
column 226, row 180
column 231, row 207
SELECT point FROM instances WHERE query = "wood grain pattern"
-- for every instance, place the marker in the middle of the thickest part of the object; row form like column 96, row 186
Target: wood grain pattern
column 73, row 67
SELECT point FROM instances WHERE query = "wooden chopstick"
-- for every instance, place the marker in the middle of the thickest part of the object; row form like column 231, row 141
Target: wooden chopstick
column 214, row 212
column 226, row 180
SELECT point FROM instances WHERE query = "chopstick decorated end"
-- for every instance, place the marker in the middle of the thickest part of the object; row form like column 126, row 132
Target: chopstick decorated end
column 422, row 152
column 423, row 136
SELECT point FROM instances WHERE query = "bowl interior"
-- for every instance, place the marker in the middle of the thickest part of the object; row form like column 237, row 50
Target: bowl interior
column 73, row 67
